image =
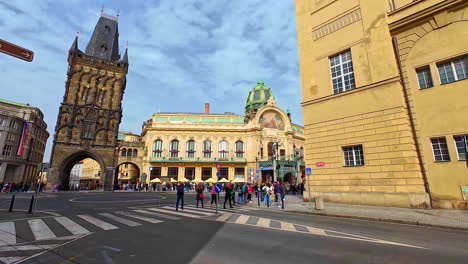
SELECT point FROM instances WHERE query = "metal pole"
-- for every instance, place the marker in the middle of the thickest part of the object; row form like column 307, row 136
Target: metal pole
column 258, row 196
column 282, row 201
column 12, row 203
column 159, row 195
column 308, row 188
column 37, row 190
column 31, row 205
column 466, row 150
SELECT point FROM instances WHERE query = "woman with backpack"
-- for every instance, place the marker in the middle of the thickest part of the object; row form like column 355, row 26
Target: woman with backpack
column 199, row 197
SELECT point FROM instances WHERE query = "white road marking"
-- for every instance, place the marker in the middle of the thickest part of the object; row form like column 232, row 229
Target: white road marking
column 287, row 226
column 144, row 218
column 26, row 247
column 195, row 210
column 97, row 222
column 168, row 211
column 7, row 233
column 10, row 260
column 40, row 230
column 242, row 219
column 224, row 217
column 157, row 214
column 120, row 219
column 263, row 222
column 71, row 226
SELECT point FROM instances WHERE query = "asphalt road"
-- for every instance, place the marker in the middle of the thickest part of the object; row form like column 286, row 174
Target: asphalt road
column 105, row 228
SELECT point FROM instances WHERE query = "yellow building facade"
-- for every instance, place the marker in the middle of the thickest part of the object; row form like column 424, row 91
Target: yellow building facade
column 383, row 84
column 190, row 145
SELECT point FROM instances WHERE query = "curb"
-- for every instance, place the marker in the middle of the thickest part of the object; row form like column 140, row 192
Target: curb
column 375, row 219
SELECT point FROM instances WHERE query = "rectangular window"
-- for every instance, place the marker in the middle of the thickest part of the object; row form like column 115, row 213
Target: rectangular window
column 461, row 142
column 7, row 150
column 353, row 155
column 454, row 70
column 190, row 173
column 155, row 172
column 173, row 172
column 342, row 72
column 439, row 147
column 87, row 131
column 424, row 78
column 11, row 137
column 206, row 173
column 2, row 121
column 223, row 173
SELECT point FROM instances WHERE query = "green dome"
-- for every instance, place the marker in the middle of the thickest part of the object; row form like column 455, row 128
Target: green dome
column 258, row 97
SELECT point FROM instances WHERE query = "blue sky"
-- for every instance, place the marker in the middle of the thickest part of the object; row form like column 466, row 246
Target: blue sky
column 182, row 54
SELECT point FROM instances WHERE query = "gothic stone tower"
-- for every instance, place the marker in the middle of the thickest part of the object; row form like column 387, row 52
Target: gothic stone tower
column 91, row 111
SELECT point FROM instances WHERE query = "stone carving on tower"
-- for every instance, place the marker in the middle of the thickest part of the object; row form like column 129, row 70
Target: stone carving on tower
column 91, row 110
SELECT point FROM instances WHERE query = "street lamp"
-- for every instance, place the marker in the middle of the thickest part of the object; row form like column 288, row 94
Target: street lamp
column 275, row 155
column 256, row 168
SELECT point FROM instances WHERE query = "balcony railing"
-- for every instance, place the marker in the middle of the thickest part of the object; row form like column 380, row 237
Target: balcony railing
column 196, row 159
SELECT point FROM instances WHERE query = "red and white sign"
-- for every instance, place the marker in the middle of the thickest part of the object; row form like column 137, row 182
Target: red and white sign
column 16, row 51
column 320, row 164
column 218, row 166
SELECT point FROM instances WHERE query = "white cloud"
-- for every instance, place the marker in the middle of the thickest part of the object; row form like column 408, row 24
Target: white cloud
column 182, row 53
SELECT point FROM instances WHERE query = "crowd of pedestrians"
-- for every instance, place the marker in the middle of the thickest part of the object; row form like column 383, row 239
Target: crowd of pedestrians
column 21, row 187
column 268, row 193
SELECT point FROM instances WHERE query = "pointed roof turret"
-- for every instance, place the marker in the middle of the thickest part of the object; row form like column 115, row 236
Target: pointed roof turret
column 104, row 42
column 125, row 56
column 74, row 46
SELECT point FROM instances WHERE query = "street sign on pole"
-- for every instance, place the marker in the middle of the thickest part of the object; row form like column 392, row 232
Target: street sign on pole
column 308, row 171
column 257, row 171
column 218, row 166
column 218, row 188
column 16, row 51
column 218, row 174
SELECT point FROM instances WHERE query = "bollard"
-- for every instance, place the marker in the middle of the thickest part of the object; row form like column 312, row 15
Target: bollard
column 282, row 201
column 318, row 203
column 258, row 198
column 31, row 205
column 268, row 200
column 12, row 203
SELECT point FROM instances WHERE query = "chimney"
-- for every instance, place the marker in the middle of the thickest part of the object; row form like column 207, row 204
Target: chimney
column 207, row 108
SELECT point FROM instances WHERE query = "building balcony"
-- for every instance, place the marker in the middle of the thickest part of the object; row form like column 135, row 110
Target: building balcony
column 198, row 159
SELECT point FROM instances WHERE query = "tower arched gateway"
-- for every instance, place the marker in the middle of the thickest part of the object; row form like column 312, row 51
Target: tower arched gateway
column 91, row 110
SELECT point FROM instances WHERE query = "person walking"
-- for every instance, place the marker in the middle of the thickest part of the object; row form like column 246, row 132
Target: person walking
column 228, row 196
column 199, row 197
column 249, row 192
column 180, row 196
column 213, row 195
column 266, row 194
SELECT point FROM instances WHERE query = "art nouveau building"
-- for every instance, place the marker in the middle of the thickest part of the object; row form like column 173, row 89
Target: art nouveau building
column 189, row 145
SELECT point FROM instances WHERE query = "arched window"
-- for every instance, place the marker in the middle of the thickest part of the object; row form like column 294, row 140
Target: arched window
column 129, row 152
column 207, row 149
column 135, row 152
column 157, row 148
column 270, row 150
column 190, row 149
column 124, row 152
column 239, row 149
column 223, row 149
column 174, row 148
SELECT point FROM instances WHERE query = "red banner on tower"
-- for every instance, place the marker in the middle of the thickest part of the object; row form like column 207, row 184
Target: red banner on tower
column 24, row 134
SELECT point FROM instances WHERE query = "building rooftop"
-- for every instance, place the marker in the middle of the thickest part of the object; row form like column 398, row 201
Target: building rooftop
column 15, row 103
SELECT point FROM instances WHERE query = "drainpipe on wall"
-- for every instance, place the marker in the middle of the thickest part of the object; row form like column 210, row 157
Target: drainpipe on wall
column 410, row 114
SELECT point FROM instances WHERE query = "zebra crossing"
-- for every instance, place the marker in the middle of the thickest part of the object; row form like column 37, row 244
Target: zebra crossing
column 42, row 229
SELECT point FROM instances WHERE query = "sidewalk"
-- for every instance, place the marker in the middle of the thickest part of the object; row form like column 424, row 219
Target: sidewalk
column 453, row 219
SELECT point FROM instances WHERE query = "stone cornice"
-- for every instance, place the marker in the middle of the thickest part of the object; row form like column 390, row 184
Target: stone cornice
column 357, row 90
column 398, row 22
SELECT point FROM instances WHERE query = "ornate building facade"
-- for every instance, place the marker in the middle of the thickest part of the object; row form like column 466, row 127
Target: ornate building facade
column 384, row 88
column 23, row 137
column 91, row 110
column 190, row 145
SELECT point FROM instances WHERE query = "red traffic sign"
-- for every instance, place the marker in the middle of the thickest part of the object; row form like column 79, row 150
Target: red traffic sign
column 16, row 51
column 320, row 164
column 218, row 166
